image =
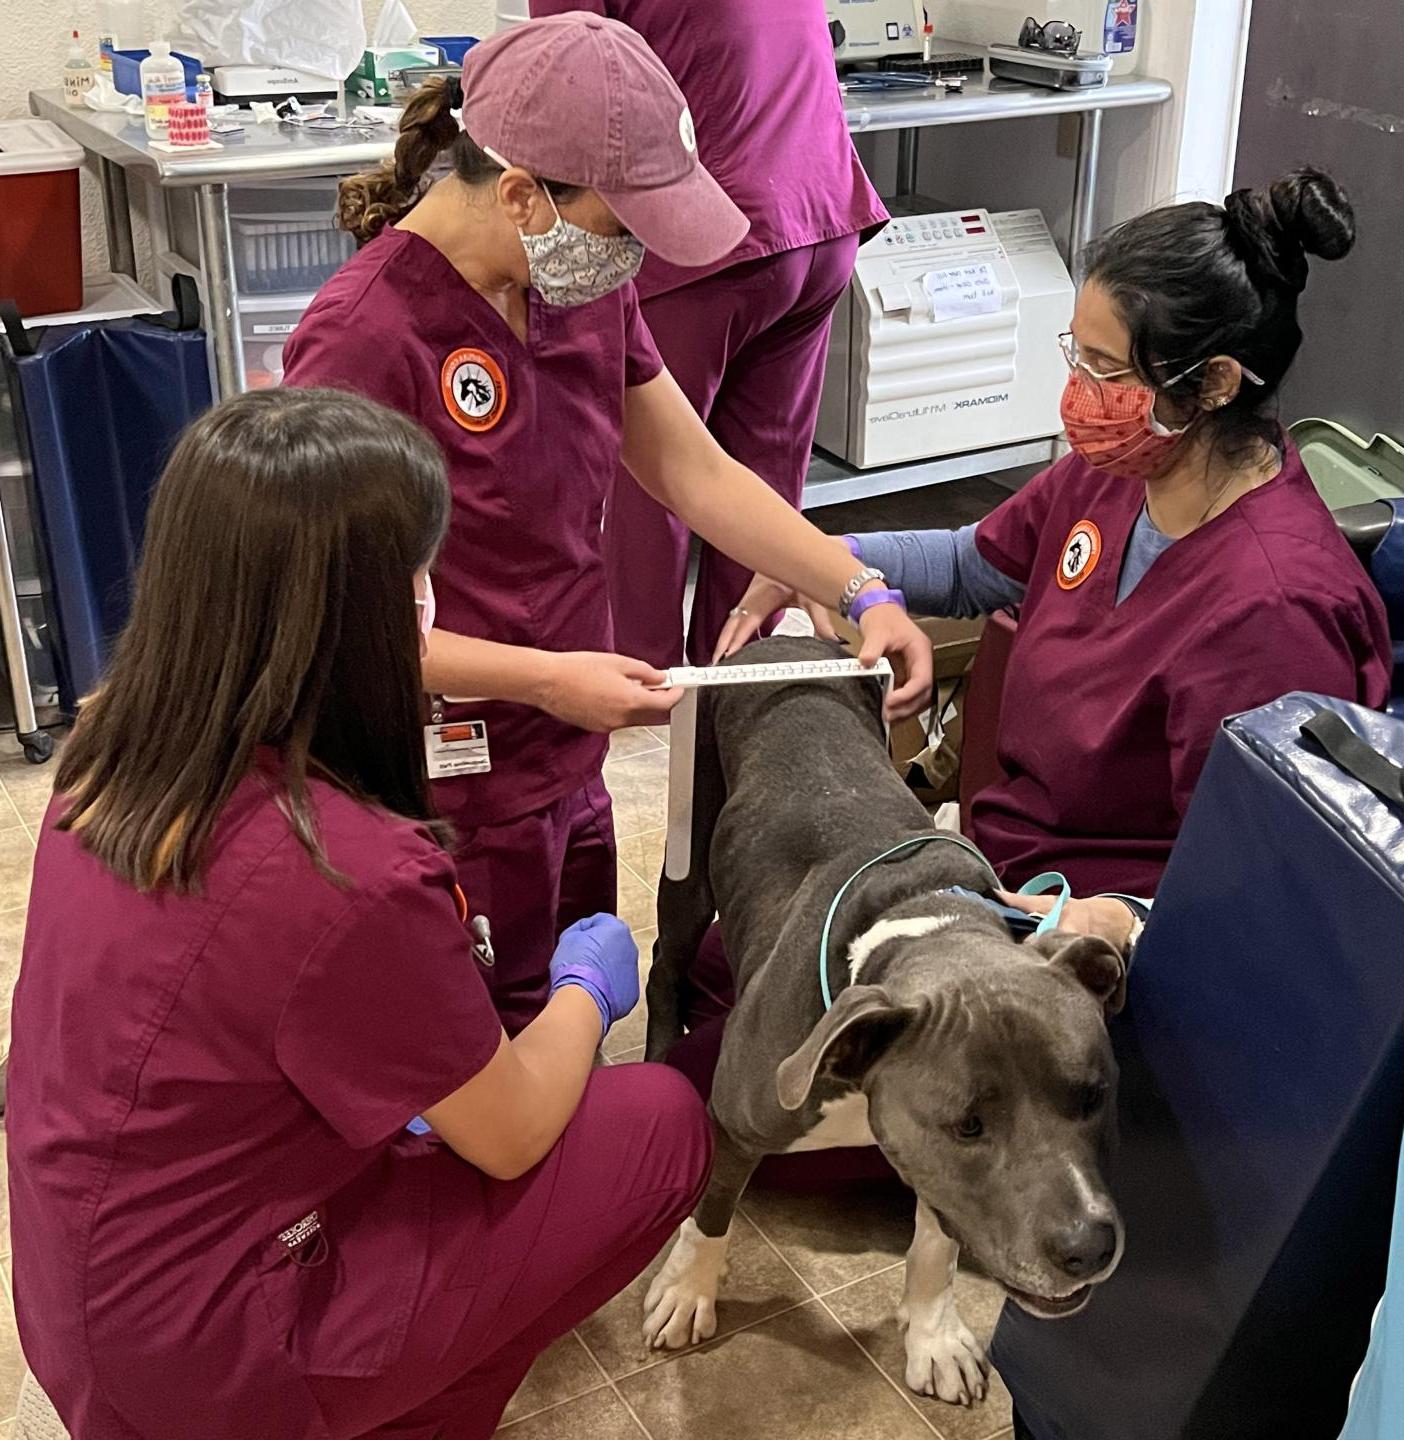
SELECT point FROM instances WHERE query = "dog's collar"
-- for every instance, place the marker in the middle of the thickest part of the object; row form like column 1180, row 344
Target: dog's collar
column 1039, row 885
column 902, row 848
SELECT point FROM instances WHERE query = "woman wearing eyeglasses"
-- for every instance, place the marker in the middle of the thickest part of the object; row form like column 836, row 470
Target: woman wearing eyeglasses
column 1178, row 567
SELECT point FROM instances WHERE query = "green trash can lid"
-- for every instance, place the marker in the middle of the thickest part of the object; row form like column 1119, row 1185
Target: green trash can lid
column 1345, row 469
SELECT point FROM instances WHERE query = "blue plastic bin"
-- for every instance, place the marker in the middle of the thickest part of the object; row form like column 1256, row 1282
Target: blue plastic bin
column 126, row 70
column 452, row 48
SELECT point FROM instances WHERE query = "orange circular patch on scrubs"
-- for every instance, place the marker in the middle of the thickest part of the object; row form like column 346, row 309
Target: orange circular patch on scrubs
column 1081, row 552
column 474, row 389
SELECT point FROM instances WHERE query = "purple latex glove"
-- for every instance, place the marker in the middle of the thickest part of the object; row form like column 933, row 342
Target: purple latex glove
column 600, row 956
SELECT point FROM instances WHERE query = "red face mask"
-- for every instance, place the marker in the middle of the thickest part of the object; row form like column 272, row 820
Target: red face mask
column 1114, row 428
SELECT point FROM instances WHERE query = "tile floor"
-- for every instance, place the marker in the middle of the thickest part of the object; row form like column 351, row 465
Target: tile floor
column 807, row 1347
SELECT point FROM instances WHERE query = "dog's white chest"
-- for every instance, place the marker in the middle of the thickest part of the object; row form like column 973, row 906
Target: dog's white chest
column 842, row 1123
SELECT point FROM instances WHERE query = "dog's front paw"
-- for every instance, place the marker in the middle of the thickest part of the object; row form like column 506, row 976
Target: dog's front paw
column 943, row 1358
column 681, row 1306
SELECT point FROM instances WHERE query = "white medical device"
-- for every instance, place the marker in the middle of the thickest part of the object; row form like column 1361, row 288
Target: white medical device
column 874, row 29
column 947, row 340
column 243, row 84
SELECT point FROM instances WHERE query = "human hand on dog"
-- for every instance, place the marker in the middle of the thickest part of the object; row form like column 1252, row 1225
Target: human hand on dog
column 888, row 630
column 1110, row 920
column 599, row 955
column 762, row 599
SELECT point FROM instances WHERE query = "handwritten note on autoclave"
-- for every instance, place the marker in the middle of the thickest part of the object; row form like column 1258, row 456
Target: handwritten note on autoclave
column 960, row 291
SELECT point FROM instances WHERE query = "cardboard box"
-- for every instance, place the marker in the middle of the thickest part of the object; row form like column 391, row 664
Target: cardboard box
column 926, row 749
column 370, row 81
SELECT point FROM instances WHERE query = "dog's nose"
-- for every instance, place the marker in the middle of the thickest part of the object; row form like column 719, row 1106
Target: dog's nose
column 1084, row 1248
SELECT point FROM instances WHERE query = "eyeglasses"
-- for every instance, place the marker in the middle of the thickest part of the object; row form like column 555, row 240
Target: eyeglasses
column 1073, row 355
column 1055, row 36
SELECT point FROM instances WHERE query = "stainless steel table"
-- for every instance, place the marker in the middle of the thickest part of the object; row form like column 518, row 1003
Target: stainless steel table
column 119, row 143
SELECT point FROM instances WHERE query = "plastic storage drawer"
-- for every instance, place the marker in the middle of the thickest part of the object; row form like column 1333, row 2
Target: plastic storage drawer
column 265, row 328
column 286, row 237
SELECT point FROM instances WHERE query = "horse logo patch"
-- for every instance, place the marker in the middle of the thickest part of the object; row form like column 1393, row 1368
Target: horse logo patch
column 1081, row 552
column 474, row 389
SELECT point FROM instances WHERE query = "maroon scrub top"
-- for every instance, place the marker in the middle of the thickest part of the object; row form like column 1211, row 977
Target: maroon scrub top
column 1109, row 710
column 759, row 79
column 532, row 432
column 194, row 1075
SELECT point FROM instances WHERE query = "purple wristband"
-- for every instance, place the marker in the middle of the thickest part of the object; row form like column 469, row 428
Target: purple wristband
column 869, row 598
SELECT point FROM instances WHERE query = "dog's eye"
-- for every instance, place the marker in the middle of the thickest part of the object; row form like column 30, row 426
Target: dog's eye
column 970, row 1128
column 1090, row 1099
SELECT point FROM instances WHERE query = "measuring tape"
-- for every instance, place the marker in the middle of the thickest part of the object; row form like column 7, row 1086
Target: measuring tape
column 682, row 738
column 693, row 677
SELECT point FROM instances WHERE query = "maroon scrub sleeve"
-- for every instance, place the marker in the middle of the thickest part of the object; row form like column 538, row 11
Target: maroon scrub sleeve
column 1254, row 654
column 338, row 358
column 642, row 361
column 1009, row 536
column 389, row 1015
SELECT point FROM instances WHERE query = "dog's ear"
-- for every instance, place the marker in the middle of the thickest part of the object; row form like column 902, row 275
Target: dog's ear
column 1096, row 963
column 865, row 1020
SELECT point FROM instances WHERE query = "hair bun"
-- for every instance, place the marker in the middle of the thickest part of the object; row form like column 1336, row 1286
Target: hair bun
column 1274, row 230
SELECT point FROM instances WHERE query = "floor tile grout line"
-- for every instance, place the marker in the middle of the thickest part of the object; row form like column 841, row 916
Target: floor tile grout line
column 668, row 1357
column 780, row 1254
column 902, row 1391
column 614, row 1386
column 817, row 1294
column 860, row 1280
column 570, row 1399
column 652, row 889
column 19, row 815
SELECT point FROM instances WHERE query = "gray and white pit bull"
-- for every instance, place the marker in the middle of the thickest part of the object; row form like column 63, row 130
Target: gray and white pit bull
column 980, row 1066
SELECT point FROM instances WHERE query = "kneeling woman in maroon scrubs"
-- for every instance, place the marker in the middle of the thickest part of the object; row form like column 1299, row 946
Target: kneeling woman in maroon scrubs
column 246, row 972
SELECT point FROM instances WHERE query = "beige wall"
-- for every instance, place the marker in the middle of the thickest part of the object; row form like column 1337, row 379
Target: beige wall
column 36, row 42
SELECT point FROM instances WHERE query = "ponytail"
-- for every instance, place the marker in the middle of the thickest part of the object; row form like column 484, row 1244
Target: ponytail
column 367, row 203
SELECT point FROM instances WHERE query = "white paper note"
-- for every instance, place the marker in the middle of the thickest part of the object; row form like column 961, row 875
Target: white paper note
column 962, row 290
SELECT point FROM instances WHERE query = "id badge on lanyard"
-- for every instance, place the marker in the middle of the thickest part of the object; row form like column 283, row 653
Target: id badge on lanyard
column 454, row 747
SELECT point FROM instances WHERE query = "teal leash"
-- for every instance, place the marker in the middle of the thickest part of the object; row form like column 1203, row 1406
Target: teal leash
column 1039, row 885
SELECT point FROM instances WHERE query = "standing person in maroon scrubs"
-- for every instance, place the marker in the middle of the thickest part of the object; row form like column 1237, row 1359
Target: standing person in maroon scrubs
column 495, row 307
column 745, row 335
column 246, row 972
column 1178, row 567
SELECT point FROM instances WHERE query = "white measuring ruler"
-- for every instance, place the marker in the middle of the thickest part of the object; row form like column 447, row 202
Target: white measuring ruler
column 682, row 736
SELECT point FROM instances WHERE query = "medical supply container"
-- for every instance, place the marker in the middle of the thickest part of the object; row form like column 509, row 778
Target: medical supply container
column 41, row 237
column 121, row 26
column 162, row 85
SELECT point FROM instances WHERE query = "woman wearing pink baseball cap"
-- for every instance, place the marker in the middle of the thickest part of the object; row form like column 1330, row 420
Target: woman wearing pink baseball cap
column 494, row 306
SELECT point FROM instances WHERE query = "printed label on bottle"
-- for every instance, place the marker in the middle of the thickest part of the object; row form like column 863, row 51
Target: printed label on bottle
column 1119, row 32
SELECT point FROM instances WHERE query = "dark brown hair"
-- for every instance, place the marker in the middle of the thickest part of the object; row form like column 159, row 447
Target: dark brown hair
column 275, row 608
column 367, row 203
column 1193, row 281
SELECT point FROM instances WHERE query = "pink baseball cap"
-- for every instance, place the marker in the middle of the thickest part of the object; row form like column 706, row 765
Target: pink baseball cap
column 583, row 100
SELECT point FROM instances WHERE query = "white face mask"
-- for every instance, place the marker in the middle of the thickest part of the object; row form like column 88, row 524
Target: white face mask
column 426, row 606
column 573, row 266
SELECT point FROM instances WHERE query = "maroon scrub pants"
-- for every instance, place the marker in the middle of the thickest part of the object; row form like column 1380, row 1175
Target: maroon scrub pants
column 532, row 877
column 747, row 346
column 519, row 1263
